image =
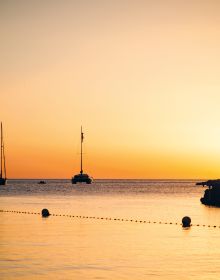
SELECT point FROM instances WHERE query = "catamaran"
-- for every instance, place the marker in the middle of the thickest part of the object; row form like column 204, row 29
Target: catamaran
column 81, row 177
column 2, row 159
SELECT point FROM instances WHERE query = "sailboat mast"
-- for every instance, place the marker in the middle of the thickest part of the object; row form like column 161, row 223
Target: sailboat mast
column 1, row 150
column 4, row 160
column 81, row 170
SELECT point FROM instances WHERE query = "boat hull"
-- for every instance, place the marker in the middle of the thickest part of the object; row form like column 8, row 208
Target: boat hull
column 81, row 178
column 3, row 181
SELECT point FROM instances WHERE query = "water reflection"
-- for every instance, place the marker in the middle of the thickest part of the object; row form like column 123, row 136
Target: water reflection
column 68, row 248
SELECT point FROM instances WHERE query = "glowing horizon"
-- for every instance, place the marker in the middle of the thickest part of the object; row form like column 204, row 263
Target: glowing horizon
column 142, row 78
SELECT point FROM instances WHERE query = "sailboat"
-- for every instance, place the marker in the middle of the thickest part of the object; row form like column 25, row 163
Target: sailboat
column 2, row 159
column 81, row 177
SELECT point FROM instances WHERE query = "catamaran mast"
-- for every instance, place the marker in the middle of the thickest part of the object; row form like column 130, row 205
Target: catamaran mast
column 81, row 171
column 82, row 177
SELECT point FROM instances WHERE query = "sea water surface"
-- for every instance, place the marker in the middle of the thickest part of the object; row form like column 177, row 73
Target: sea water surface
column 63, row 247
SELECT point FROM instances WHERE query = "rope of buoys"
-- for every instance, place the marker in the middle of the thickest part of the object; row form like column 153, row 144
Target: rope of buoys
column 186, row 221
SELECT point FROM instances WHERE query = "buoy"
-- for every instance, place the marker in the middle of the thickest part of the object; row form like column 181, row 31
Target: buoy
column 45, row 213
column 186, row 221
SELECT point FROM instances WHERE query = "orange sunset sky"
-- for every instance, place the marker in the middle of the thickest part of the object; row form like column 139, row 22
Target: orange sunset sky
column 142, row 77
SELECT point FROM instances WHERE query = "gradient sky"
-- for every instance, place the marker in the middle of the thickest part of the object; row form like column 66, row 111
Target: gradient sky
column 142, row 77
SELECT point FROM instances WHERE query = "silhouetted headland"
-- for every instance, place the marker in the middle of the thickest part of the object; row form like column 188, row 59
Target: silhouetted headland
column 212, row 194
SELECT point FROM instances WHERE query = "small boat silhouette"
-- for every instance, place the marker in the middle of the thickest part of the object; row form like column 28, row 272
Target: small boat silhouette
column 42, row 182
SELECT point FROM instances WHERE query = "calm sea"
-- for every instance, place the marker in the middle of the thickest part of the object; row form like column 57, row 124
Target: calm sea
column 61, row 247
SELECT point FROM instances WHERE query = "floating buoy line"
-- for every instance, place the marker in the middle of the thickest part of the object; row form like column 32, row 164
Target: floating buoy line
column 45, row 213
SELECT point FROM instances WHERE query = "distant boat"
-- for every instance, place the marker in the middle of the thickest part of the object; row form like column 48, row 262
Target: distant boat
column 2, row 159
column 81, row 177
column 212, row 194
column 42, row 182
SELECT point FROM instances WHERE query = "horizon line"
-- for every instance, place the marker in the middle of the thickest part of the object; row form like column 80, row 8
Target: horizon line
column 111, row 179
